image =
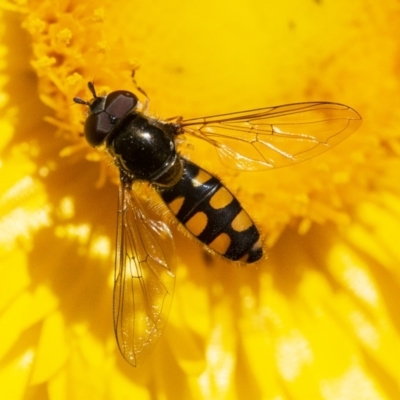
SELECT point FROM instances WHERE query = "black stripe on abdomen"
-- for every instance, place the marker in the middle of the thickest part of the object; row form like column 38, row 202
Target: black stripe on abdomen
column 211, row 213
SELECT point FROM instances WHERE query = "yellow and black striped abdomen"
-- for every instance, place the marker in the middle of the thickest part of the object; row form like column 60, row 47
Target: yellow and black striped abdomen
column 211, row 213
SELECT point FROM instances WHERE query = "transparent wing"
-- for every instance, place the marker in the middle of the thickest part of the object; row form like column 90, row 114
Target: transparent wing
column 144, row 280
column 275, row 136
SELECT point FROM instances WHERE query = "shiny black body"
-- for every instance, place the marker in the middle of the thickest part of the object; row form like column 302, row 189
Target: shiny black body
column 196, row 198
column 143, row 148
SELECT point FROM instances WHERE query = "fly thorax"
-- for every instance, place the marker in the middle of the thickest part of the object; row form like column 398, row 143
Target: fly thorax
column 145, row 150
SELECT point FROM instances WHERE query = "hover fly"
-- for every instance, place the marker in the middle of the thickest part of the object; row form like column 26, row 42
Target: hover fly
column 145, row 148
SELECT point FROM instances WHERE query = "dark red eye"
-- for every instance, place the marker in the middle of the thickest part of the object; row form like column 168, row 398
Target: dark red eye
column 119, row 103
column 105, row 113
column 97, row 127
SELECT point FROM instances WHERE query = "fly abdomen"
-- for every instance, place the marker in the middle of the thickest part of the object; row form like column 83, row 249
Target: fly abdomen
column 211, row 213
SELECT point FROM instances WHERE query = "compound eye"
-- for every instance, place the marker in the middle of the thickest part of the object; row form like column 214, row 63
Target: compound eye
column 119, row 103
column 97, row 127
column 99, row 124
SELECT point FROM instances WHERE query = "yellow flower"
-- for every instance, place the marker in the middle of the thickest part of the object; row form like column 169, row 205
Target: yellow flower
column 318, row 319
